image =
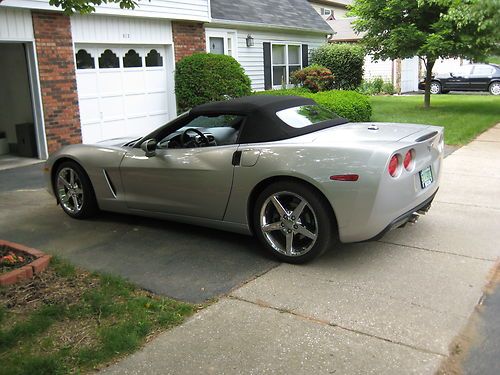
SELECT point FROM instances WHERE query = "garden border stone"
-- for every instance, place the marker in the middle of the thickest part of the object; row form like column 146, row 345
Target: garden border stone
column 27, row 271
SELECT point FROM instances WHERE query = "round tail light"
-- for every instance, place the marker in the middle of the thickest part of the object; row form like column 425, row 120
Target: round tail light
column 393, row 165
column 407, row 161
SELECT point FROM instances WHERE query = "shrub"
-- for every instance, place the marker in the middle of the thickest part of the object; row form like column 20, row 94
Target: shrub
column 206, row 77
column 315, row 78
column 345, row 61
column 376, row 86
column 348, row 104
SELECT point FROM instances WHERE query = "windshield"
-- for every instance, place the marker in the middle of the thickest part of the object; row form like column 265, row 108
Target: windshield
column 305, row 115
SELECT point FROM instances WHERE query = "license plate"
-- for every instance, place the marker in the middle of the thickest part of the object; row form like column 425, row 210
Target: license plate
column 426, row 177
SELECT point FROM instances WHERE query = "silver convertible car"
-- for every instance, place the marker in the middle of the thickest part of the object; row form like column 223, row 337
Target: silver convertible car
column 282, row 168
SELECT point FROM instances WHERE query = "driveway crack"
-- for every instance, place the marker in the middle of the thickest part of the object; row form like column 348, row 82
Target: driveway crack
column 330, row 324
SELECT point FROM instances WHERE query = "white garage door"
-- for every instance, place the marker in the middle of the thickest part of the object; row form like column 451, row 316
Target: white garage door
column 122, row 90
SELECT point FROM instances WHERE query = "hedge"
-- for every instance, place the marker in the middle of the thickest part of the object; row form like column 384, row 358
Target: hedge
column 345, row 61
column 206, row 77
column 348, row 104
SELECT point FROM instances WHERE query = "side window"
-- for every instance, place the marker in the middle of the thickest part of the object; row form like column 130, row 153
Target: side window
column 462, row 71
column 220, row 130
column 482, row 71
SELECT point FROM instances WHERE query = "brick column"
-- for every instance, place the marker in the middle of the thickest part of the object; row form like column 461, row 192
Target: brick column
column 188, row 38
column 54, row 49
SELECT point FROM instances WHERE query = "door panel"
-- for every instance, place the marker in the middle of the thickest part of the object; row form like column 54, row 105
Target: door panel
column 194, row 182
column 460, row 80
column 481, row 77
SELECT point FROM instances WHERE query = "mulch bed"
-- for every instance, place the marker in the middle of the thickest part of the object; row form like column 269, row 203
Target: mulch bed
column 11, row 259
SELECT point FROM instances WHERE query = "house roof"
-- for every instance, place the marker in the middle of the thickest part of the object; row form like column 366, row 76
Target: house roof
column 290, row 14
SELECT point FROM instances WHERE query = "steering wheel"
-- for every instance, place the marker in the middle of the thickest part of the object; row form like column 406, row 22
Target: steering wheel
column 187, row 141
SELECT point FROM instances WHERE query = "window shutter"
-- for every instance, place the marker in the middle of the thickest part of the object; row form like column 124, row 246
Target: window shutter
column 267, row 66
column 305, row 55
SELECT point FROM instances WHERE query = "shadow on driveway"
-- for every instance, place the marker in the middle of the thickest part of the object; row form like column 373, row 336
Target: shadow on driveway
column 181, row 261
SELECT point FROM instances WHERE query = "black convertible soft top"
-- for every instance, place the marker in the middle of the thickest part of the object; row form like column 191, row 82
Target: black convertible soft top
column 262, row 124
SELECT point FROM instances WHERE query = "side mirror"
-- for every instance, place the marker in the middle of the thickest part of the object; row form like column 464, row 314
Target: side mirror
column 149, row 147
column 451, row 74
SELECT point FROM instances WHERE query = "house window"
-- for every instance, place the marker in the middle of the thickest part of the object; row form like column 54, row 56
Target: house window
column 286, row 58
column 108, row 59
column 326, row 12
column 153, row 58
column 132, row 59
column 84, row 60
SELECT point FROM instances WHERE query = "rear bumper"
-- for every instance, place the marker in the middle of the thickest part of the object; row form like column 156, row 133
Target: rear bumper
column 403, row 219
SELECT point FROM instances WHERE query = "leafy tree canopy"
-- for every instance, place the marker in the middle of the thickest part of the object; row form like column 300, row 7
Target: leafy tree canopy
column 88, row 6
column 430, row 29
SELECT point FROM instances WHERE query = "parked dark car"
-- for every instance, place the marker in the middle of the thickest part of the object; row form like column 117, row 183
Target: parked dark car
column 472, row 77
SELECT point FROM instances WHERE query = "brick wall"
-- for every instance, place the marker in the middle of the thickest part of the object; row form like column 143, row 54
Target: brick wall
column 188, row 38
column 56, row 68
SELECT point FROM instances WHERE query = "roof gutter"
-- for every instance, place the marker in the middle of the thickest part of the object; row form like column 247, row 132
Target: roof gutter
column 255, row 25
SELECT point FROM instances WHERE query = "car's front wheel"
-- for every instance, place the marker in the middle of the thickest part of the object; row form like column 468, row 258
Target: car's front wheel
column 74, row 191
column 495, row 88
column 293, row 222
column 435, row 88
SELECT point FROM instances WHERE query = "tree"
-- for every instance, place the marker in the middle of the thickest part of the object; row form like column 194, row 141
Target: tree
column 88, row 6
column 429, row 29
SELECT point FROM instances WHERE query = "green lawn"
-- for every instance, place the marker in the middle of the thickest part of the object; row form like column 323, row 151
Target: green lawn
column 463, row 116
column 71, row 321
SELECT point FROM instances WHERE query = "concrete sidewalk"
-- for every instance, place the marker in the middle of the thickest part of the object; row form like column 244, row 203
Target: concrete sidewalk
column 392, row 306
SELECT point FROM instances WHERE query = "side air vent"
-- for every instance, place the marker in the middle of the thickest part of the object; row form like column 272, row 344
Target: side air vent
column 110, row 184
column 426, row 136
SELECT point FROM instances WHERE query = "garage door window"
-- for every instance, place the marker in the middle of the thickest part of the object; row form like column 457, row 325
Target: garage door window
column 132, row 59
column 84, row 60
column 108, row 59
column 153, row 58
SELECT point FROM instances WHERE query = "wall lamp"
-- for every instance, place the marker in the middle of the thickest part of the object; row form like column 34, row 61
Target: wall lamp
column 250, row 42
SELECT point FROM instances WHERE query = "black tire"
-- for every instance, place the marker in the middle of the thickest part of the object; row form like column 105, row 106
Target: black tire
column 436, row 86
column 315, row 217
column 494, row 88
column 85, row 205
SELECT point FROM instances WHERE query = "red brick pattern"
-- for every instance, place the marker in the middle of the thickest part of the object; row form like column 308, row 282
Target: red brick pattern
column 54, row 49
column 188, row 38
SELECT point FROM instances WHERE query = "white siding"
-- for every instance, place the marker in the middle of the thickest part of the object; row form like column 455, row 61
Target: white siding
column 448, row 65
column 15, row 25
column 252, row 58
column 197, row 10
column 378, row 69
column 106, row 29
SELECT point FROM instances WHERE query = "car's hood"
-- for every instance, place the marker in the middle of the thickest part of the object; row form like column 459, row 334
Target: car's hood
column 368, row 131
column 117, row 142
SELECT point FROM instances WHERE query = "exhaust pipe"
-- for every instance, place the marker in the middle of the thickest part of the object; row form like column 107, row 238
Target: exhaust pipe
column 413, row 218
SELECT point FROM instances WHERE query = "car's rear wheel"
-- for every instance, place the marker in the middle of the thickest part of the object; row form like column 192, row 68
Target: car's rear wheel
column 495, row 88
column 74, row 191
column 293, row 222
column 435, row 87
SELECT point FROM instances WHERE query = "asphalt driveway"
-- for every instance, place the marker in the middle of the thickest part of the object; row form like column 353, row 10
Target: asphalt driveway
column 180, row 261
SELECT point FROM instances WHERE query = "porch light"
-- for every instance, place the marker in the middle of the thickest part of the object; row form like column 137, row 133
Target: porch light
column 250, row 41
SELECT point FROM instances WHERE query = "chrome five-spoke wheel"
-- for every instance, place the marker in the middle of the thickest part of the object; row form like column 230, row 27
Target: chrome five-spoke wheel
column 74, row 190
column 293, row 221
column 289, row 223
column 69, row 190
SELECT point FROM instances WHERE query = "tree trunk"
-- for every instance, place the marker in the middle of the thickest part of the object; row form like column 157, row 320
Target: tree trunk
column 429, row 64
